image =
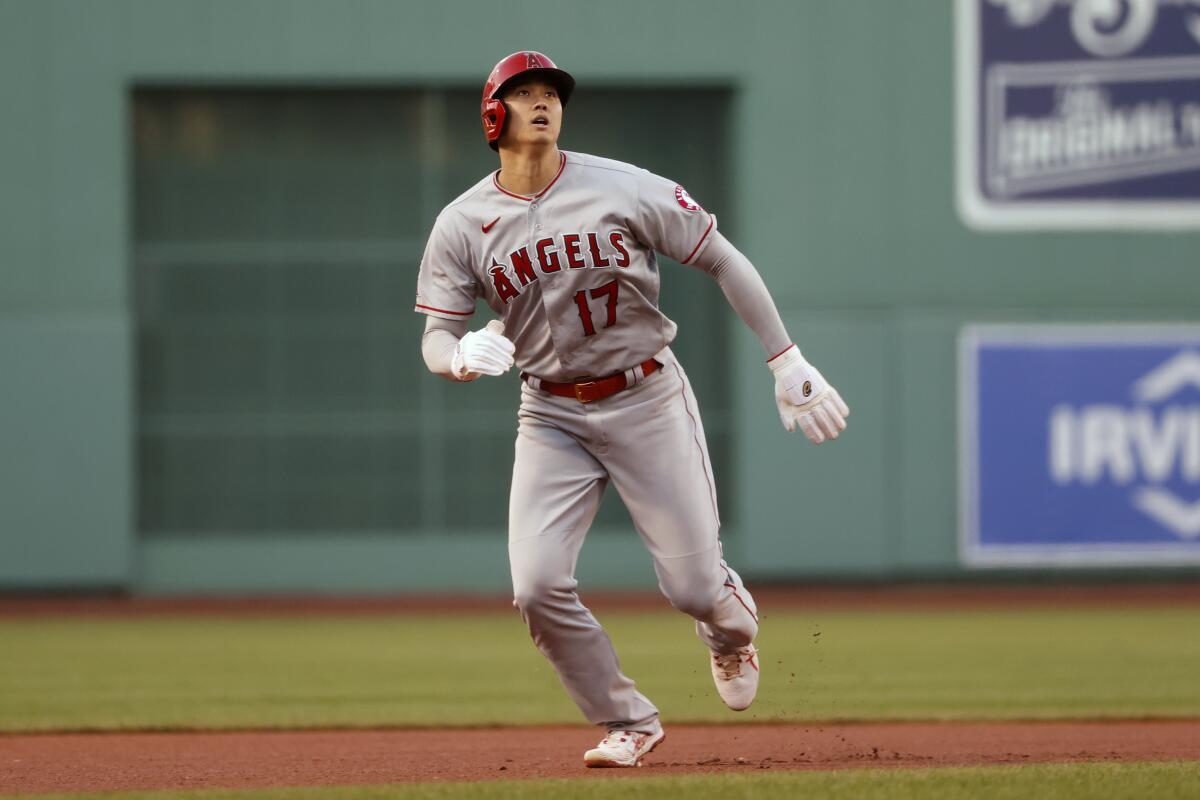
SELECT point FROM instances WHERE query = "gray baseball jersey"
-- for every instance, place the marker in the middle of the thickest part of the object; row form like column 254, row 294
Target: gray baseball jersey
column 572, row 271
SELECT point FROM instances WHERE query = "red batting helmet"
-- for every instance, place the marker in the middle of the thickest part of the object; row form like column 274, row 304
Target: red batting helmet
column 526, row 63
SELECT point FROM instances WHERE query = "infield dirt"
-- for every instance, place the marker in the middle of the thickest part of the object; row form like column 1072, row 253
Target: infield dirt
column 46, row 763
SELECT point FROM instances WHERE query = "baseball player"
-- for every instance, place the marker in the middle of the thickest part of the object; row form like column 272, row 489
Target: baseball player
column 562, row 246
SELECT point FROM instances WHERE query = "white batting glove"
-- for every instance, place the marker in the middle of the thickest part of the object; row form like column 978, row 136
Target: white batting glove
column 482, row 352
column 805, row 399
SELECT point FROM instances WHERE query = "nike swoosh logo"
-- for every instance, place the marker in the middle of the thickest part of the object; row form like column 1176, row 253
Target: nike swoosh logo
column 489, row 226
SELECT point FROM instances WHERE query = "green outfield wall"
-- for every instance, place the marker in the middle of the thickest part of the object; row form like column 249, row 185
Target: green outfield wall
column 824, row 130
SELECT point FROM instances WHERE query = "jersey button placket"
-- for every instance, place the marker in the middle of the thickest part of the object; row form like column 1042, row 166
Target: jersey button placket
column 535, row 233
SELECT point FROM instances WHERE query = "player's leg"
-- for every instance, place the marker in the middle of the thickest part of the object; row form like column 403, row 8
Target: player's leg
column 556, row 489
column 658, row 460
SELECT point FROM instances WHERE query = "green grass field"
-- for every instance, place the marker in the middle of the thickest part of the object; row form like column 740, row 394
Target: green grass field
column 209, row 672
column 205, row 672
column 1167, row 781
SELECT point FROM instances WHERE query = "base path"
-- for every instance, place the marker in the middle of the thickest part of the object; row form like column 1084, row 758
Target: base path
column 44, row 763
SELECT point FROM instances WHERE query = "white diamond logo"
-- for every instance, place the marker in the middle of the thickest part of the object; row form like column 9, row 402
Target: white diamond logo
column 1176, row 515
column 1169, row 377
column 1181, row 518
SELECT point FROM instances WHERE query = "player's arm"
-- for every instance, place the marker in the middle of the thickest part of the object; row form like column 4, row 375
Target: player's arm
column 745, row 291
column 805, row 398
column 446, row 295
column 455, row 353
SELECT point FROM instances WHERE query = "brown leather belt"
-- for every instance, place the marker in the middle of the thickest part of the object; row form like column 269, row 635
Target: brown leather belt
column 591, row 391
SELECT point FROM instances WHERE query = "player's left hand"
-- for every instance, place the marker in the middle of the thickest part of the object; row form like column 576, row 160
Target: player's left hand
column 805, row 398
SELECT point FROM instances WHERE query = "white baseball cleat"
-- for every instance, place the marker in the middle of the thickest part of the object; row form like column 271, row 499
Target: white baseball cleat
column 736, row 676
column 623, row 748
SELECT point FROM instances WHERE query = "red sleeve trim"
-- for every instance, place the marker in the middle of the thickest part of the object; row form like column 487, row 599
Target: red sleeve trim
column 420, row 307
column 711, row 221
column 781, row 352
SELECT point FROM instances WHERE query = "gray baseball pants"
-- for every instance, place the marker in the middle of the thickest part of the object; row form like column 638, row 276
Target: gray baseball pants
column 649, row 442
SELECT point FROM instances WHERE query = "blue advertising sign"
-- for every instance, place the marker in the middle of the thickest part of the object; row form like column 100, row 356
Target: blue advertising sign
column 1078, row 113
column 1080, row 445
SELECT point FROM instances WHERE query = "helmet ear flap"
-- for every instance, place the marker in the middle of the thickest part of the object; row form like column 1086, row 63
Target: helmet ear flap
column 493, row 120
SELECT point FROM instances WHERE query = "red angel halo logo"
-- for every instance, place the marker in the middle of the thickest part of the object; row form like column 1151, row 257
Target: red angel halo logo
column 685, row 199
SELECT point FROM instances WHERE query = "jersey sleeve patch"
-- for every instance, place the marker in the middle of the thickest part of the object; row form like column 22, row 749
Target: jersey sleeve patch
column 685, row 200
column 668, row 219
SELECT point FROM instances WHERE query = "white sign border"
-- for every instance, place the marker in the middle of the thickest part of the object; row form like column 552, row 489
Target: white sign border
column 974, row 554
column 980, row 213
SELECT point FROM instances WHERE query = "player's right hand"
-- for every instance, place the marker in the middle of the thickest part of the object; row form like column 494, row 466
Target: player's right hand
column 482, row 352
column 805, row 398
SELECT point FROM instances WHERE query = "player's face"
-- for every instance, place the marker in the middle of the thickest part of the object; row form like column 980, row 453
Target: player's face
column 534, row 114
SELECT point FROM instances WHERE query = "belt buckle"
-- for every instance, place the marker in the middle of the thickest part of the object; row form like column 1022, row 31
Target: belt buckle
column 579, row 394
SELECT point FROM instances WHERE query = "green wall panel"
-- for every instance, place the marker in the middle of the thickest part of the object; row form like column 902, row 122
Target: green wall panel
column 842, row 185
column 65, row 515
column 476, row 561
column 25, row 203
column 925, row 436
column 818, row 509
